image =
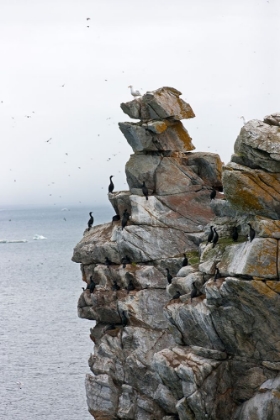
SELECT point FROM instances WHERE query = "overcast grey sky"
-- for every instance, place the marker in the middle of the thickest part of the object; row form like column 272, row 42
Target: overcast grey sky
column 222, row 55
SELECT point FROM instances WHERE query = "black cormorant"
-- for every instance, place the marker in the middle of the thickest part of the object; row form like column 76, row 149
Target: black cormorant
column 130, row 286
column 145, row 190
column 116, row 218
column 185, row 260
column 213, row 194
column 217, row 274
column 91, row 220
column 125, row 218
column 115, row 286
column 125, row 260
column 91, row 285
column 215, row 237
column 210, row 236
column 177, row 295
column 168, row 276
column 108, row 262
column 111, row 185
column 124, row 319
column 234, row 234
column 252, row 233
column 194, row 292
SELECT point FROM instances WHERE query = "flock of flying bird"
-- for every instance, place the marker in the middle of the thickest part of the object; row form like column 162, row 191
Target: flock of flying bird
column 213, row 238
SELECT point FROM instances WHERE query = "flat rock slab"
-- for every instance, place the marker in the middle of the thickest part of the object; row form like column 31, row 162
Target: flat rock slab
column 256, row 192
column 159, row 104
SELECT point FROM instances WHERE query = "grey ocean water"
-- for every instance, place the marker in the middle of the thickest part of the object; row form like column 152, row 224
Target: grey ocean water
column 43, row 344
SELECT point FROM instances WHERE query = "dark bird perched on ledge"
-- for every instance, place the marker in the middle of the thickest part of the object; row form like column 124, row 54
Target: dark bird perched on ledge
column 234, row 234
column 124, row 319
column 252, row 232
column 177, row 295
column 195, row 292
column 91, row 285
column 108, row 262
column 145, row 190
column 210, row 236
column 217, row 274
column 130, row 286
column 185, row 260
column 91, row 220
column 125, row 260
column 213, row 194
column 115, row 286
column 168, row 276
column 111, row 185
column 125, row 218
column 215, row 237
column 116, row 218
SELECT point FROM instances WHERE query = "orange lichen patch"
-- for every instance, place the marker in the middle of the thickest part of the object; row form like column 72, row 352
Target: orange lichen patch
column 183, row 135
column 274, row 285
column 263, row 289
column 276, row 393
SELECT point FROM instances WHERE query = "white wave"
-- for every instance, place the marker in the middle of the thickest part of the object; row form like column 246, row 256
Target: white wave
column 14, row 241
column 65, row 209
column 37, row 237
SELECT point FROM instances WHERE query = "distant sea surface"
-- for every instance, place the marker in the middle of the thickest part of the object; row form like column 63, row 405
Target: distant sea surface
column 43, row 343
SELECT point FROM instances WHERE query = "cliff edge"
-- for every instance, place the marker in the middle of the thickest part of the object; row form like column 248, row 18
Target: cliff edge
column 204, row 344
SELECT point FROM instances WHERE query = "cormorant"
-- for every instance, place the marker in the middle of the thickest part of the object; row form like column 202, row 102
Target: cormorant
column 111, row 185
column 213, row 194
column 91, row 285
column 168, row 276
column 194, row 292
column 130, row 286
column 124, row 319
column 116, row 218
column 252, row 233
column 217, row 274
column 108, row 262
column 115, row 286
column 177, row 295
column 210, row 236
column 234, row 234
column 125, row 218
column 91, row 220
column 215, row 237
column 185, row 260
column 145, row 190
column 125, row 260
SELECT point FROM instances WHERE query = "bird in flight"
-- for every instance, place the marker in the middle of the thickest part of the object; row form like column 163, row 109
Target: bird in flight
column 47, row 141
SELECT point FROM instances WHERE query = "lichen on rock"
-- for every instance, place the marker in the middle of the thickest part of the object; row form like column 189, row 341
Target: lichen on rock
column 207, row 344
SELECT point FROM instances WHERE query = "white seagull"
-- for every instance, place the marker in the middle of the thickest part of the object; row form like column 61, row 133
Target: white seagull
column 134, row 92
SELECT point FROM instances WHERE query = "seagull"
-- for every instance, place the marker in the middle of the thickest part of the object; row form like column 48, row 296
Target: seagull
column 47, row 141
column 88, row 18
column 243, row 118
column 19, row 384
column 134, row 92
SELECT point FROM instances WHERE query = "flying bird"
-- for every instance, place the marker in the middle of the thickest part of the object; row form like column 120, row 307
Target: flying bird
column 133, row 92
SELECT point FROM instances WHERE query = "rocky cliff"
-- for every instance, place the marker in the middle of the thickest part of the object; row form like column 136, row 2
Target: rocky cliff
column 207, row 344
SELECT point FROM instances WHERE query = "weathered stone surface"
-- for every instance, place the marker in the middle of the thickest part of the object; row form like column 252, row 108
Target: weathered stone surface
column 141, row 167
column 252, row 191
column 102, row 397
column 158, row 104
column 273, row 119
column 143, row 138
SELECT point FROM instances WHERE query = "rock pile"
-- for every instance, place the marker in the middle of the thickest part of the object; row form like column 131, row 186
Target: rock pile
column 204, row 346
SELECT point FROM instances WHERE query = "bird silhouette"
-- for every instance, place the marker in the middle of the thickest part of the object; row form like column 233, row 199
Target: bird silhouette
column 111, row 185
column 134, row 92
column 91, row 220
column 217, row 274
column 215, row 237
column 210, row 236
column 185, row 261
column 168, row 276
column 234, row 234
column 252, row 232
column 213, row 194
column 145, row 190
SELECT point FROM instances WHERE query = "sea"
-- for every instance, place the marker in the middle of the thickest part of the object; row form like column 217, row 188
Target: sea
column 44, row 346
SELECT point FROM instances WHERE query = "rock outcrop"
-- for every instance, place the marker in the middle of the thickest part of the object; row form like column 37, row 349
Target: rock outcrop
column 207, row 344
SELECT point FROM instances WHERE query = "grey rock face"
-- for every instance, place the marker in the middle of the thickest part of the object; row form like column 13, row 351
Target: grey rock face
column 205, row 344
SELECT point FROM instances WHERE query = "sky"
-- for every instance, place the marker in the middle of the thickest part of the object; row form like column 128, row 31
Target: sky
column 65, row 81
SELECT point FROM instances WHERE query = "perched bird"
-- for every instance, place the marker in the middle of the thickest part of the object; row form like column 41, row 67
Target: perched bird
column 213, row 194
column 108, row 262
column 217, row 274
column 215, row 237
column 145, row 190
column 210, row 236
column 133, row 92
column 168, row 276
column 177, row 295
column 116, row 218
column 194, row 292
column 252, row 232
column 125, row 260
column 125, row 218
column 185, row 260
column 91, row 285
column 124, row 319
column 130, row 286
column 234, row 234
column 91, row 220
column 111, row 185
column 115, row 286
